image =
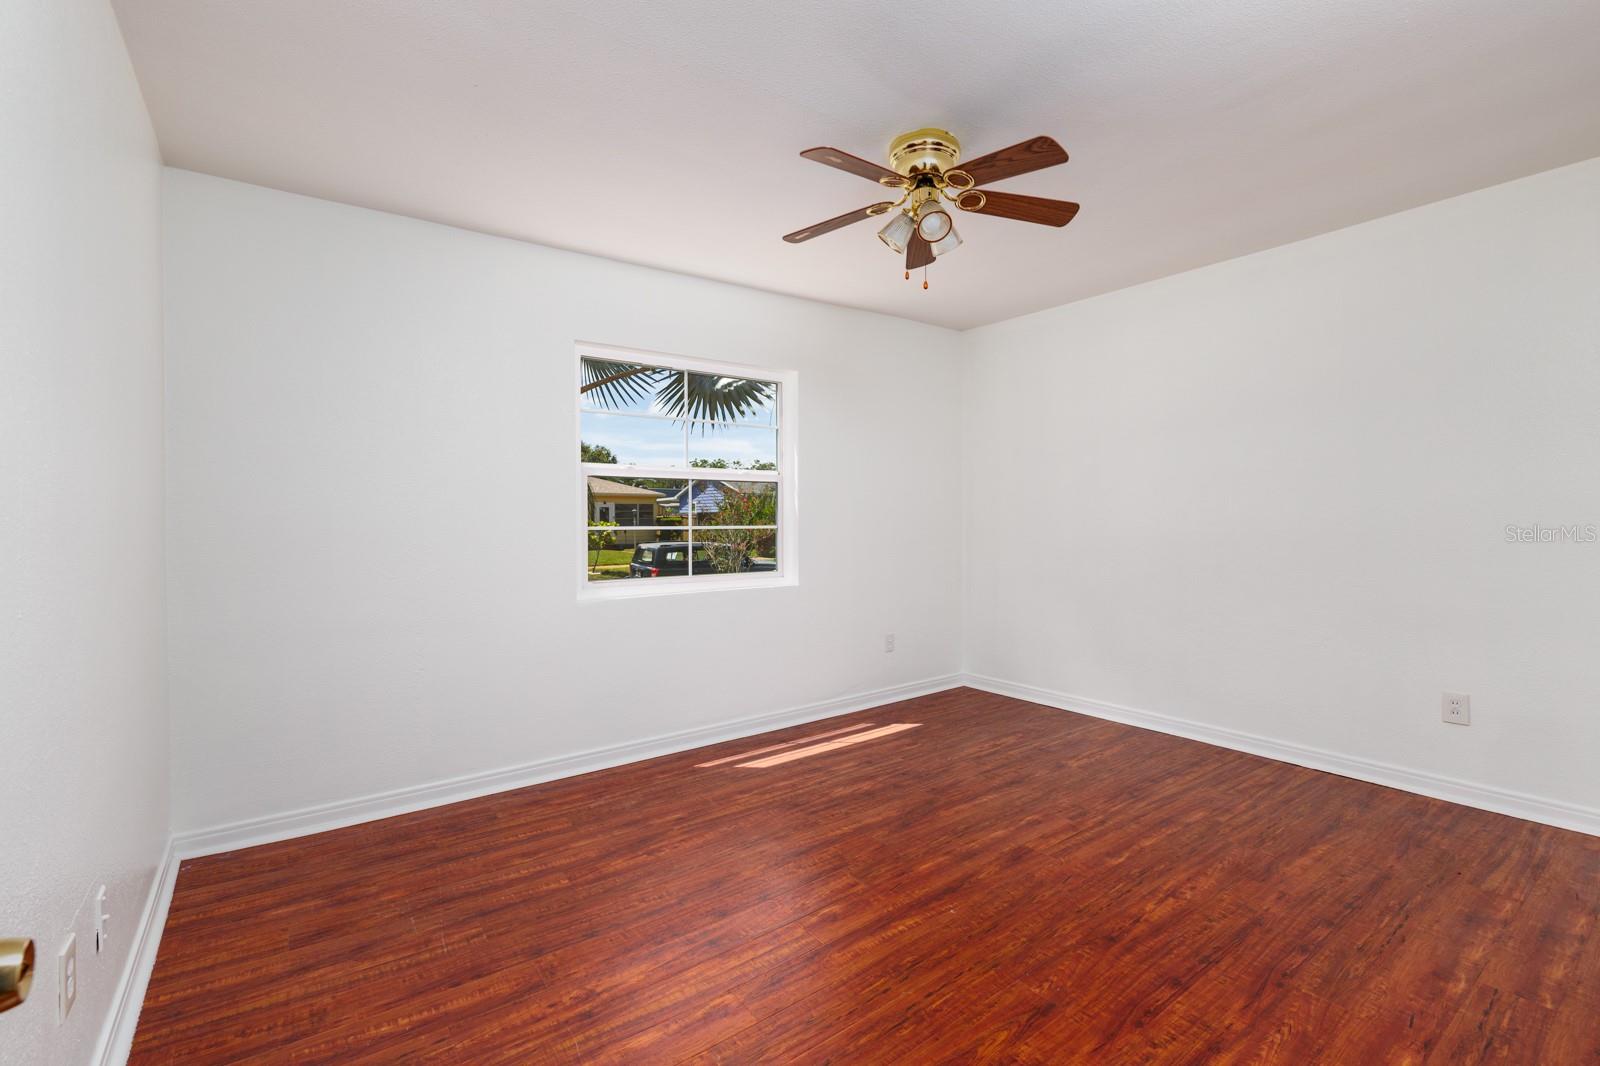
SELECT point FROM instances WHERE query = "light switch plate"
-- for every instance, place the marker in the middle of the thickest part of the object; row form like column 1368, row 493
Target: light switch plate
column 101, row 916
column 66, row 978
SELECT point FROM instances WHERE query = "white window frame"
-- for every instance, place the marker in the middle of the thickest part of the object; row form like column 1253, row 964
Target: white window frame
column 787, row 477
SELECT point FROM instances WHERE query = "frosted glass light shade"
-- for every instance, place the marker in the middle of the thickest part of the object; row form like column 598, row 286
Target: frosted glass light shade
column 897, row 232
column 933, row 223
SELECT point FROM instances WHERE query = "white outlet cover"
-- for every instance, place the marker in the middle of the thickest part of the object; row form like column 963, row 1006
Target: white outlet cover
column 1456, row 708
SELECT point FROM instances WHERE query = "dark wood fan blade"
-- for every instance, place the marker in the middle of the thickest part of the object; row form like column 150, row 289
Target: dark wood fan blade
column 919, row 253
column 1021, row 158
column 832, row 157
column 837, row 222
column 1022, row 208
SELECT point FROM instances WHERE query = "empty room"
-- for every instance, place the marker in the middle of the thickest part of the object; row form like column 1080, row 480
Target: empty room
column 543, row 532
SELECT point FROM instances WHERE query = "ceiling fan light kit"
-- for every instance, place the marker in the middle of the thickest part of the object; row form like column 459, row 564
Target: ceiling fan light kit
column 933, row 222
column 897, row 231
column 925, row 167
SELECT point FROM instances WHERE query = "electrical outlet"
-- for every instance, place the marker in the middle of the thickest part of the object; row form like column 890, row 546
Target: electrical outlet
column 1456, row 708
column 888, row 642
column 101, row 917
column 66, row 978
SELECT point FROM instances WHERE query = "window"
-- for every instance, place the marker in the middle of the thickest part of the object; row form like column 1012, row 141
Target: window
column 687, row 474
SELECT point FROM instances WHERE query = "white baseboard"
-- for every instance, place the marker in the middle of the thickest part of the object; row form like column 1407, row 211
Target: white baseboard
column 116, row 1038
column 325, row 816
column 1486, row 797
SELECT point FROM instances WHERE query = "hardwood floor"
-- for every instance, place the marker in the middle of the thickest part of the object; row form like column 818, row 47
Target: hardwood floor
column 1005, row 883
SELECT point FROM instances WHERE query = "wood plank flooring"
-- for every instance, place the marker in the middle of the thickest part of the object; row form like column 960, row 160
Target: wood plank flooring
column 1004, row 883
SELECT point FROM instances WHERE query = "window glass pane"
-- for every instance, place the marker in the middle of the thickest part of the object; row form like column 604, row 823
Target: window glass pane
column 721, row 399
column 623, row 439
column 732, row 447
column 613, row 386
column 648, row 553
column 735, row 503
column 610, row 551
column 735, row 551
column 634, row 501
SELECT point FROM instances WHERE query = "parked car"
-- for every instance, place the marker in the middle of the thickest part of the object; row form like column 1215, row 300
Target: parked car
column 671, row 559
column 663, row 558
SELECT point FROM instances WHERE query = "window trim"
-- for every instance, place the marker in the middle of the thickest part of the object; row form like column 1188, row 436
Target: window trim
column 787, row 476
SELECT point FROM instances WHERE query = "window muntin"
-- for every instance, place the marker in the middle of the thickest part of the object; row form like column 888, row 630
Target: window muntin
column 645, row 424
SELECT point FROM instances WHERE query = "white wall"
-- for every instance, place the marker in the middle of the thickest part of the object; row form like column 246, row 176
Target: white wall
column 83, row 731
column 1267, row 496
column 370, row 486
column 1271, row 495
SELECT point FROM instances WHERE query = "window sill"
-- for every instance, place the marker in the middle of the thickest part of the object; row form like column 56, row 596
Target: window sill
column 635, row 588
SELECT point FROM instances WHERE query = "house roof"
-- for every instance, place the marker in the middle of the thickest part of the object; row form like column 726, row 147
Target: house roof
column 601, row 487
column 707, row 499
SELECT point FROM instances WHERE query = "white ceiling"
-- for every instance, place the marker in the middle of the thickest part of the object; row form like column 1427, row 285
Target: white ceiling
column 668, row 133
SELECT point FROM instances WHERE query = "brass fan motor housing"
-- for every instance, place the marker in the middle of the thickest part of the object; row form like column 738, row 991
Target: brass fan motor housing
column 926, row 151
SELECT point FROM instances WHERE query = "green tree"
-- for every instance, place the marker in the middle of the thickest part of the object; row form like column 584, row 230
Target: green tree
column 732, row 550
column 724, row 464
column 599, row 541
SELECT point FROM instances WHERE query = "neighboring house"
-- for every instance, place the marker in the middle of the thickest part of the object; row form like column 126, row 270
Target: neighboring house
column 708, row 497
column 626, row 505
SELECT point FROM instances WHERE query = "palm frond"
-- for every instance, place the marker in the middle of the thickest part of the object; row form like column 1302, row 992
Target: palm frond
column 683, row 396
column 715, row 398
column 620, row 385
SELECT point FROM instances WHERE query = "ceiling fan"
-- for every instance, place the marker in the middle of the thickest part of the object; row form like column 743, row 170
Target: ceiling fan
column 924, row 169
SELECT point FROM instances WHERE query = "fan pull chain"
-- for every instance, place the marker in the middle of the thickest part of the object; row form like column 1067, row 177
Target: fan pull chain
column 924, row 277
column 908, row 275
